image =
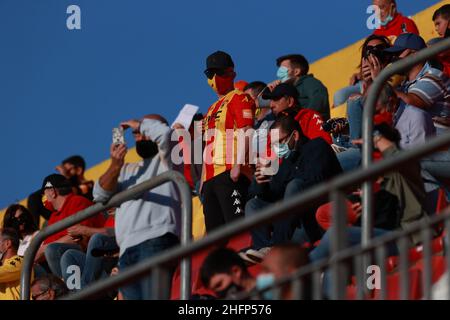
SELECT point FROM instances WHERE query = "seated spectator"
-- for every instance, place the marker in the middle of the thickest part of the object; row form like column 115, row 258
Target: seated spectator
column 58, row 192
column 283, row 260
column 372, row 57
column 400, row 199
column 283, row 97
column 441, row 19
column 393, row 23
column 425, row 88
column 263, row 114
column 304, row 164
column 73, row 169
column 225, row 273
column 99, row 258
column 312, row 94
column 20, row 219
column 148, row 224
column 10, row 265
column 48, row 287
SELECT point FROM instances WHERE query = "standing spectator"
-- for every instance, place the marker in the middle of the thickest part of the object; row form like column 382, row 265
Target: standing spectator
column 48, row 287
column 20, row 219
column 312, row 94
column 225, row 273
column 11, row 265
column 304, row 164
column 225, row 178
column 149, row 224
column 283, row 97
column 65, row 203
column 393, row 23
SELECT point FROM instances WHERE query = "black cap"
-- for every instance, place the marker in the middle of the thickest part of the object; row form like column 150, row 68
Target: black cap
column 219, row 60
column 56, row 181
column 280, row 91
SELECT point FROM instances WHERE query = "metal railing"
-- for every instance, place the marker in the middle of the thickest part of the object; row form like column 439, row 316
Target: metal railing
column 314, row 195
column 126, row 195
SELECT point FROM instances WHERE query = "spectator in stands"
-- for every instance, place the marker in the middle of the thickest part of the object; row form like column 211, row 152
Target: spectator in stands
column 305, row 163
column 263, row 113
column 312, row 94
column 225, row 184
column 283, row 260
column 393, row 23
column 283, row 97
column 441, row 19
column 48, row 287
column 425, row 88
column 73, row 168
column 373, row 60
column 401, row 197
column 149, row 224
column 58, row 191
column 192, row 164
column 10, row 265
column 20, row 219
column 99, row 258
column 225, row 273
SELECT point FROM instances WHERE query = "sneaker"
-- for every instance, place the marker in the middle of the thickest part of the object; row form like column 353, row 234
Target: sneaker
column 258, row 255
column 248, row 261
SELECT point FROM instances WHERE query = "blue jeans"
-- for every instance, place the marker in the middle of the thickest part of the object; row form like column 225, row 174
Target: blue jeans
column 342, row 95
column 350, row 159
column 354, row 116
column 438, row 167
column 54, row 253
column 142, row 289
column 323, row 251
column 282, row 231
column 92, row 268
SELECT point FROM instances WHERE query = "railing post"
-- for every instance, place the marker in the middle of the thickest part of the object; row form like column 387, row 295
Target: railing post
column 338, row 243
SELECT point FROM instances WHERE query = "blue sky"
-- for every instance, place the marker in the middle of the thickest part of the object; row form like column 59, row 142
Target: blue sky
column 62, row 91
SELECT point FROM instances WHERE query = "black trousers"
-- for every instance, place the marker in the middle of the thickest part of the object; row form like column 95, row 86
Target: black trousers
column 223, row 199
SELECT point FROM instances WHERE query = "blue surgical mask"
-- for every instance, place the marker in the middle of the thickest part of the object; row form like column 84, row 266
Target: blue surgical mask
column 263, row 281
column 388, row 19
column 283, row 74
column 263, row 103
column 282, row 149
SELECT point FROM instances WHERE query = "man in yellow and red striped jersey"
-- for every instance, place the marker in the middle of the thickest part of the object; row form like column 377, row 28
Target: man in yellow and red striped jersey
column 226, row 174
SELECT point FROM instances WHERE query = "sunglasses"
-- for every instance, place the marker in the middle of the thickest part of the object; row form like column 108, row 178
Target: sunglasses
column 210, row 73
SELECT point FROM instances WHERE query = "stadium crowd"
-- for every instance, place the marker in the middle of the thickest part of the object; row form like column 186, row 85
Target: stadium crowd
column 291, row 116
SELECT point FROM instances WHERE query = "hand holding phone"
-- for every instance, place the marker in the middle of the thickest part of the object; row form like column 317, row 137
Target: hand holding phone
column 118, row 136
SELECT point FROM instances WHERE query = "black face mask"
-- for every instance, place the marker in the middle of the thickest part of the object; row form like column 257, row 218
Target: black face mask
column 231, row 290
column 146, row 149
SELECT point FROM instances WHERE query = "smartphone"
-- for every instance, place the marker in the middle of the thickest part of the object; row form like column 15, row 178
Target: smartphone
column 118, row 136
column 268, row 171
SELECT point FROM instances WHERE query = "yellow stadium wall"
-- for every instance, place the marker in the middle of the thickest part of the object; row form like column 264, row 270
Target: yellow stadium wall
column 334, row 71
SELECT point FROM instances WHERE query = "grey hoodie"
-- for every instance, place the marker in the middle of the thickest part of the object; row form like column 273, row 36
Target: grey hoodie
column 156, row 212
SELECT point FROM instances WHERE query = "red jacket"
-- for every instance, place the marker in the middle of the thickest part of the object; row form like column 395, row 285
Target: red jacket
column 311, row 123
column 396, row 26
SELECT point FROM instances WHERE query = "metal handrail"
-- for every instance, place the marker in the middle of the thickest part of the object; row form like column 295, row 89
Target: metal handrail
column 368, row 113
column 114, row 201
column 291, row 206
